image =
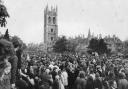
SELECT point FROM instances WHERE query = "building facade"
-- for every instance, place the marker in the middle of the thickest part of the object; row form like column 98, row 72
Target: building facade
column 50, row 27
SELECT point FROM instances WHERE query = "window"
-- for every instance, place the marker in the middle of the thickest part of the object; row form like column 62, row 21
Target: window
column 49, row 19
column 51, row 38
column 51, row 30
column 54, row 20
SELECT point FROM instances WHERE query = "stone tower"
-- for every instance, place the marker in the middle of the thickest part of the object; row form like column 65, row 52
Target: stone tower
column 50, row 27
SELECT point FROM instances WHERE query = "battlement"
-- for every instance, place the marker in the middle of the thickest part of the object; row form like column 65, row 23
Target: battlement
column 50, row 11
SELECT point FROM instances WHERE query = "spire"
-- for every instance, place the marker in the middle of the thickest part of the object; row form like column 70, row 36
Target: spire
column 47, row 7
column 56, row 9
column 89, row 34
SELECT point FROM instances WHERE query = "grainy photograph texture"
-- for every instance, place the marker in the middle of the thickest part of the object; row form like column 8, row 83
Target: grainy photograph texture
column 63, row 44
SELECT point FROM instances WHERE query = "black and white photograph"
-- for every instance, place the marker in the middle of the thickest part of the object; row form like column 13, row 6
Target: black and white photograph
column 63, row 44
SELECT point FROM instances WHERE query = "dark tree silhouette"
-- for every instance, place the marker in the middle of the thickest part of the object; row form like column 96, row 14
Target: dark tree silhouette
column 16, row 41
column 102, row 47
column 6, row 35
column 60, row 45
column 93, row 45
column 71, row 46
column 98, row 45
column 3, row 15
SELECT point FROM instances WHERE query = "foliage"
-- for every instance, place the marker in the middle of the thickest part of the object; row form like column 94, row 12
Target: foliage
column 3, row 15
column 98, row 45
column 79, row 44
column 24, row 46
column 17, row 42
column 102, row 47
column 71, row 46
column 6, row 47
column 60, row 45
column 6, row 35
column 125, row 49
column 33, row 47
column 93, row 45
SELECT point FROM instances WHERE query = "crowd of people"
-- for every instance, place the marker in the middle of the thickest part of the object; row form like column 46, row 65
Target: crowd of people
column 19, row 70
column 72, row 71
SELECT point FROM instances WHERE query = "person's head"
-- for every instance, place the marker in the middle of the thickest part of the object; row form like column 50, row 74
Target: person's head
column 122, row 75
column 97, row 75
column 81, row 74
column 111, row 75
column 57, row 77
column 47, row 71
column 90, row 79
column 91, row 71
column 42, row 87
column 6, row 58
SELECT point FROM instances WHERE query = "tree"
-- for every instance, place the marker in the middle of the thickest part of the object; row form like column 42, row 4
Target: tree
column 60, row 45
column 24, row 46
column 125, row 48
column 6, row 35
column 98, row 45
column 3, row 15
column 102, row 47
column 17, row 42
column 71, row 46
column 93, row 45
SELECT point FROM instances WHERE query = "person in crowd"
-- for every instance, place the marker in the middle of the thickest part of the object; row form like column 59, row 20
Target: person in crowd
column 56, row 82
column 81, row 81
column 98, row 81
column 90, row 83
column 6, row 51
column 54, row 73
column 112, row 79
column 5, row 74
column 64, row 77
column 92, row 74
column 122, row 82
column 13, row 60
column 67, row 72
column 46, row 79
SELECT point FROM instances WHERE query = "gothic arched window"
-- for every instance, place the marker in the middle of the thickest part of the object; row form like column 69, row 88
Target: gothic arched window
column 49, row 19
column 51, row 38
column 51, row 30
column 54, row 20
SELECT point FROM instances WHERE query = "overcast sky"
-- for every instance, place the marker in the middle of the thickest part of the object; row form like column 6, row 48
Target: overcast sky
column 74, row 17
